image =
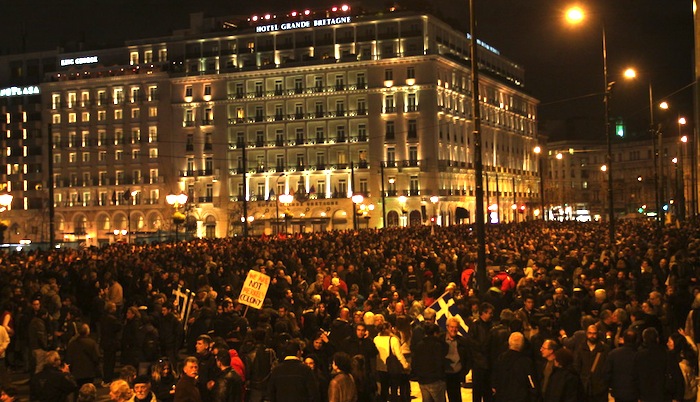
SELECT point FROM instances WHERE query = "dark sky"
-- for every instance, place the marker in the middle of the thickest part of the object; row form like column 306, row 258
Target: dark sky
column 563, row 64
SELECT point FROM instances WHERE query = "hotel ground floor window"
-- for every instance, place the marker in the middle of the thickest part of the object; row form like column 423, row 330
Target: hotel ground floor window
column 210, row 227
column 392, row 219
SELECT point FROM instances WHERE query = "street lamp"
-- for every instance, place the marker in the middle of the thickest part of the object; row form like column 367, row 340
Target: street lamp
column 677, row 198
column 130, row 201
column 574, row 16
column 538, row 151
column 357, row 200
column 364, row 211
column 404, row 211
column 277, row 204
column 177, row 200
column 681, row 162
column 434, row 200
column 286, row 199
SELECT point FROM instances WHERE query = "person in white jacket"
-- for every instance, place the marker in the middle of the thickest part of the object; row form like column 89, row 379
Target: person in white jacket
column 389, row 382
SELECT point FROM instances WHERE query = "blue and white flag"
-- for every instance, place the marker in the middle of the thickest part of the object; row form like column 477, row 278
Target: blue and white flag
column 445, row 307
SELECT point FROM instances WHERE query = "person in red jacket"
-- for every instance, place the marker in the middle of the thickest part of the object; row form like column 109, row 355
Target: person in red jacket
column 507, row 283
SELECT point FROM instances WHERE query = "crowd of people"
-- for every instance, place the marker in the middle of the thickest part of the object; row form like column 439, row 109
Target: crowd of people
column 347, row 316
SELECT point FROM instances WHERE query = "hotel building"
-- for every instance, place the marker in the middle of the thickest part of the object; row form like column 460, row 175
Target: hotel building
column 282, row 122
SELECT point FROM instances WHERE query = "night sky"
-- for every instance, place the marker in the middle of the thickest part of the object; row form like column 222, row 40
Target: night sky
column 563, row 64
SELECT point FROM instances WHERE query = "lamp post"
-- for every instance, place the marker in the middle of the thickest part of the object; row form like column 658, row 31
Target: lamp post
column 357, row 200
column 434, row 200
column 365, row 210
column 177, row 200
column 538, row 151
column 655, row 139
column 130, row 202
column 481, row 274
column 404, row 211
column 681, row 162
column 662, row 177
column 277, row 204
column 286, row 199
column 676, row 189
column 575, row 15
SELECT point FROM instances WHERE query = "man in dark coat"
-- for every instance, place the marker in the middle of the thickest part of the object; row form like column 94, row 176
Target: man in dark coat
column 563, row 384
column 38, row 339
column 186, row 389
column 478, row 338
column 620, row 370
column 360, row 343
column 110, row 335
column 207, row 364
column 83, row 355
column 660, row 377
column 228, row 386
column 427, row 368
column 170, row 331
column 291, row 380
column 589, row 362
column 340, row 327
column 513, row 376
column 54, row 382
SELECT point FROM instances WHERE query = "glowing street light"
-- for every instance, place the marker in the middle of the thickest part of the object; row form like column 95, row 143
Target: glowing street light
column 575, row 15
column 540, row 164
column 177, row 201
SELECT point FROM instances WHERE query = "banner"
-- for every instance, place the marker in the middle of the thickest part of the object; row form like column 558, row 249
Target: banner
column 254, row 289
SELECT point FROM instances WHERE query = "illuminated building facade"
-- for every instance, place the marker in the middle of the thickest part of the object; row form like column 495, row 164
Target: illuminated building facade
column 319, row 106
column 23, row 157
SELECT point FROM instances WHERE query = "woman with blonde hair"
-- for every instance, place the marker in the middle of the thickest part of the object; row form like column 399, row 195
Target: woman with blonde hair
column 387, row 344
column 119, row 391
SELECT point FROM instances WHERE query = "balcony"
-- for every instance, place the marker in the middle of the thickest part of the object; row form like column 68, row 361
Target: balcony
column 208, row 199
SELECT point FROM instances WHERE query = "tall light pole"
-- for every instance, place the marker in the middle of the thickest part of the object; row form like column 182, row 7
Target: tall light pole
column 538, row 152
column 177, row 200
column 655, row 134
column 129, row 196
column 481, row 277
column 357, row 199
column 434, row 200
column 277, row 203
column 661, row 166
column 681, row 162
column 575, row 15
column 286, row 199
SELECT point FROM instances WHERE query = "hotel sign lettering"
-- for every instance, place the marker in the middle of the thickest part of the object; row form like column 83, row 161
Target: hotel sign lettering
column 286, row 26
column 79, row 60
column 17, row 91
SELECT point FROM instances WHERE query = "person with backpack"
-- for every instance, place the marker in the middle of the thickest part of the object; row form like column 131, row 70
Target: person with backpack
column 260, row 361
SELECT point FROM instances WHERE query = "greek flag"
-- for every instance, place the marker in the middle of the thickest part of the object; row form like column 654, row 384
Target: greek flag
column 445, row 307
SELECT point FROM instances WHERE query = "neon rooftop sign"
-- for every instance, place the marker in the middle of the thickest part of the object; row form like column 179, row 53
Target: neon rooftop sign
column 286, row 26
column 17, row 91
column 79, row 60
